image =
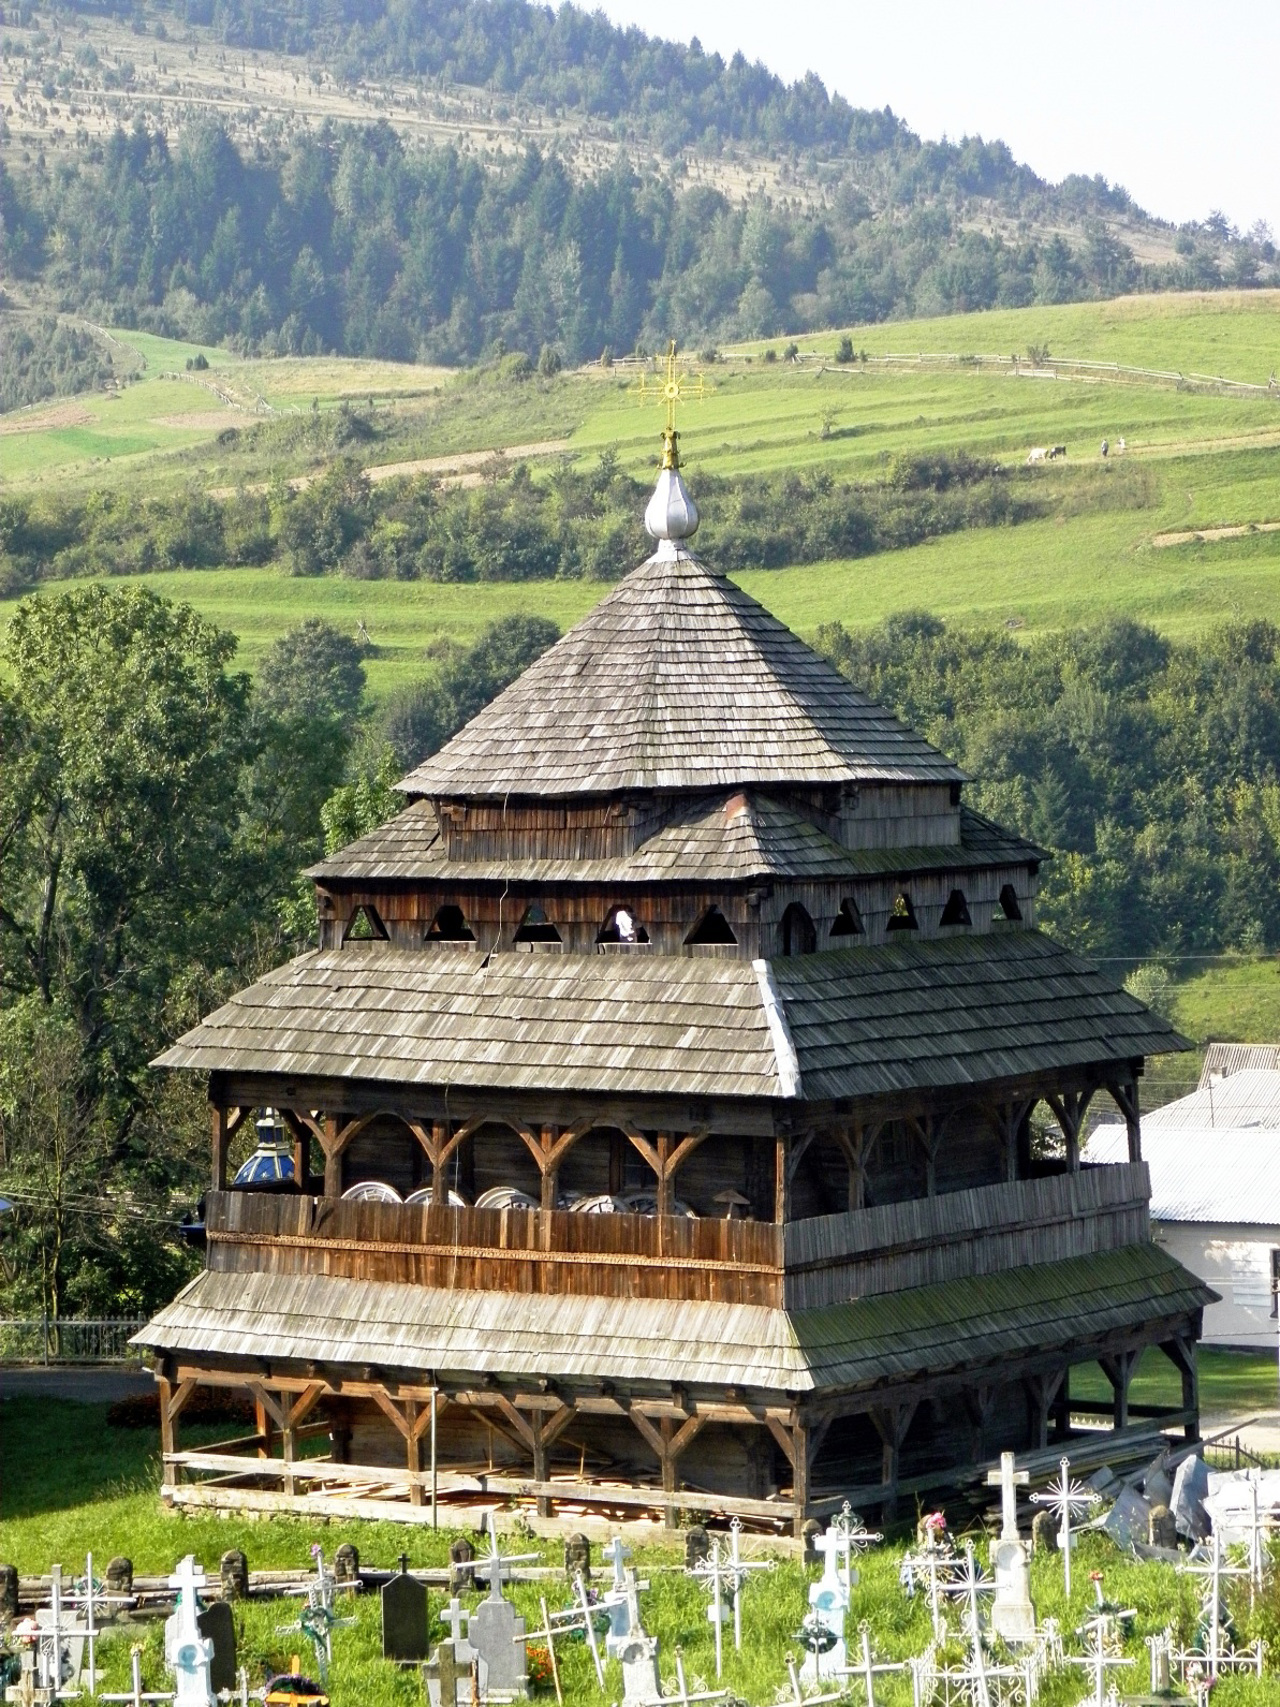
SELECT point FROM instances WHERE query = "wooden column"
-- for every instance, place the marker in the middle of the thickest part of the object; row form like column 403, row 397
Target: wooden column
column 928, row 1129
column 221, row 1146
column 1126, row 1100
column 800, row 1443
column 332, row 1157
column 667, row 1442
column 856, row 1145
column 302, row 1157
column 173, row 1399
column 1069, row 1109
column 1042, row 1393
column 544, row 1431
column 977, row 1404
column 1181, row 1352
column 1006, row 1121
column 1118, row 1368
column 891, row 1424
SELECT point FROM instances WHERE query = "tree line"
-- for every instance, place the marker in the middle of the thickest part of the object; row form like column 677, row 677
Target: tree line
column 347, row 241
column 573, row 524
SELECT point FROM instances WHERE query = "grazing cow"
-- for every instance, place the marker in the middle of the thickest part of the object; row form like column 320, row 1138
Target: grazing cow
column 1038, row 454
column 1056, row 452
column 1105, row 447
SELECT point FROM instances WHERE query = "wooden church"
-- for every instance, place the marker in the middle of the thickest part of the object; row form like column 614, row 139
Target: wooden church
column 681, row 1113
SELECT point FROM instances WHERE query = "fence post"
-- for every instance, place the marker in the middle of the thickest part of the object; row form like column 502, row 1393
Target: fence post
column 44, row 1337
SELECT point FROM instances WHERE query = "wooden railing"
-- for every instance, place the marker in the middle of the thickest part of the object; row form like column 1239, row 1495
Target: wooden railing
column 984, row 1230
column 806, row 1264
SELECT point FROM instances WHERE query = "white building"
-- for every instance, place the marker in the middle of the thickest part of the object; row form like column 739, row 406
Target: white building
column 1214, row 1158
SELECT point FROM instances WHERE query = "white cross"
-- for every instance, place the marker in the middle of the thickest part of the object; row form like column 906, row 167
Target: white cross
column 1064, row 1498
column 1008, row 1480
column 590, row 1628
column 1097, row 1660
column 497, row 1565
column 869, row 1669
column 455, row 1616
column 136, row 1694
column 710, row 1568
column 1213, row 1570
column 617, row 1553
column 739, row 1569
column 856, row 1538
column 683, row 1696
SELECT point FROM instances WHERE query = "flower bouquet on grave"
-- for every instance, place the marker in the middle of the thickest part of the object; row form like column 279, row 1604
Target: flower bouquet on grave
column 538, row 1666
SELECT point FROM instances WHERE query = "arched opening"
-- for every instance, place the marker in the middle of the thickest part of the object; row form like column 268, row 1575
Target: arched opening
column 621, row 926
column 956, row 911
column 365, row 925
column 384, row 1157
column 902, row 915
column 449, row 925
column 495, row 1158
column 848, row 919
column 603, row 1172
column 799, row 935
column 711, row 929
column 1009, row 902
column 536, row 928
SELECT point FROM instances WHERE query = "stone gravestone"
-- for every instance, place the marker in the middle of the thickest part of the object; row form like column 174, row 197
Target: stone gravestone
column 346, row 1566
column 1162, row 1531
column 120, row 1575
column 697, row 1546
column 1012, row 1614
column 8, row 1591
column 233, row 1568
column 577, row 1557
column 809, row 1533
column 496, row 1632
column 217, row 1625
column 1128, row 1519
column 461, row 1556
column 447, row 1673
column 1044, row 1533
column 404, row 1618
column 640, row 1680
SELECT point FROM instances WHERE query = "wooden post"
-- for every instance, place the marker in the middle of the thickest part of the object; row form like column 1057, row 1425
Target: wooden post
column 302, row 1156
column 667, row 1443
column 1118, row 1369
column 168, row 1430
column 439, row 1185
column 1181, row 1352
column 801, row 1464
column 781, row 1182
column 1042, row 1392
column 262, row 1426
column 332, row 1158
column 221, row 1146
column 413, row 1445
column 1070, row 1108
column 666, row 1185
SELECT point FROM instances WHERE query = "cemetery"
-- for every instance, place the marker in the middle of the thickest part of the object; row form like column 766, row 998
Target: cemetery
column 652, row 1237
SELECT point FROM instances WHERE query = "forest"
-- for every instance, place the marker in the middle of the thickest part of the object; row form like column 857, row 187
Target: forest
column 347, row 241
column 157, row 809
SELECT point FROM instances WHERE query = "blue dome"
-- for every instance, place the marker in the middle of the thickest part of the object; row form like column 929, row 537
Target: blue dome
column 263, row 1166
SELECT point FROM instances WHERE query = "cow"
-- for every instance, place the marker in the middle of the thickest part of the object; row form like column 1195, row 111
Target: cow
column 1056, row 452
column 1039, row 454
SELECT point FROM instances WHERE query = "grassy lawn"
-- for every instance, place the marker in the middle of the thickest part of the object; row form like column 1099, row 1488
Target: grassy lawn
column 1232, row 1383
column 1235, row 1002
column 74, row 1485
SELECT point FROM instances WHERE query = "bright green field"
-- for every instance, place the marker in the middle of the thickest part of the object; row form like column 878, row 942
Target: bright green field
column 1231, row 1002
column 74, row 1485
column 1229, row 334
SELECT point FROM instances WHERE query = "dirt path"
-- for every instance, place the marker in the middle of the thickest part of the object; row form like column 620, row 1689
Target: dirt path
column 1206, row 534
column 42, row 421
column 462, row 468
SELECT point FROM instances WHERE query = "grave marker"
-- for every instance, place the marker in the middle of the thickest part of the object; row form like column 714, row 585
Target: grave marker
column 1064, row 1498
column 404, row 1617
column 217, row 1625
column 1012, row 1614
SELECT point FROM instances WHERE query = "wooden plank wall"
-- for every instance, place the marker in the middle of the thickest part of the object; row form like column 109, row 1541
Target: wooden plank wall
column 981, row 1231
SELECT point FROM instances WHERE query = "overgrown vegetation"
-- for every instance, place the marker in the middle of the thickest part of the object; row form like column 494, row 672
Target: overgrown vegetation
column 1149, row 768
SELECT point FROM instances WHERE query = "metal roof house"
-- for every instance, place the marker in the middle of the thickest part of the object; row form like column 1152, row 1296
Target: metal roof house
column 1214, row 1159
column 661, row 1089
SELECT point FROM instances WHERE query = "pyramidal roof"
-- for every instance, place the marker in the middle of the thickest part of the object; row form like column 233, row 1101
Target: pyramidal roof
column 677, row 680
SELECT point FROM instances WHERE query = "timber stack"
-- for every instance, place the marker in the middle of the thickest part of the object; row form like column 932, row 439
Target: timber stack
column 661, row 1114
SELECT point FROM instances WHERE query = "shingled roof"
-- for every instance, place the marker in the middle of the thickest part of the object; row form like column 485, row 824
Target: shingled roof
column 865, row 1022
column 730, row 838
column 678, row 679
column 978, row 1320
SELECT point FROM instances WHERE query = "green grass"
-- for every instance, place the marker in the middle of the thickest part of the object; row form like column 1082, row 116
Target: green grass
column 1232, row 1383
column 1234, row 334
column 1232, row 1002
column 73, row 1486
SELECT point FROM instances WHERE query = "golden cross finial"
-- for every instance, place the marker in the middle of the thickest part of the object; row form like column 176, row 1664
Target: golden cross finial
column 676, row 387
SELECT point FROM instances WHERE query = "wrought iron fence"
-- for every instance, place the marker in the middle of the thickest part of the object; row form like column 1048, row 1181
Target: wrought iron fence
column 69, row 1339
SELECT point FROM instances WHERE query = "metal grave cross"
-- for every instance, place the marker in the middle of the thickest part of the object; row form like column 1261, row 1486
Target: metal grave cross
column 855, row 1538
column 938, row 1569
column 967, row 1580
column 1065, row 1498
column 52, row 1644
column 497, row 1565
column 738, row 1571
column 683, row 1695
column 711, row 1570
column 135, row 1694
column 1213, row 1570
column 317, row 1620
column 1098, row 1661
column 869, row 1668
column 797, row 1697
column 1008, row 1480
column 89, row 1596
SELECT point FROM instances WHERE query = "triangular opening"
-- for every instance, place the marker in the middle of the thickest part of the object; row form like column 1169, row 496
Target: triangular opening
column 712, row 928
column 848, row 920
column 364, row 925
column 902, row 915
column 1009, row 902
column 621, row 925
column 956, row 911
column 535, row 926
column 449, row 925
column 798, row 933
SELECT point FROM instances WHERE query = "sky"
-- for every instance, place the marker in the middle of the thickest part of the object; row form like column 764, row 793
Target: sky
column 1179, row 100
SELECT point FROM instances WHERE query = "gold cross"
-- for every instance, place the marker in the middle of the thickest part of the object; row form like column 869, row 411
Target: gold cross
column 677, row 386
